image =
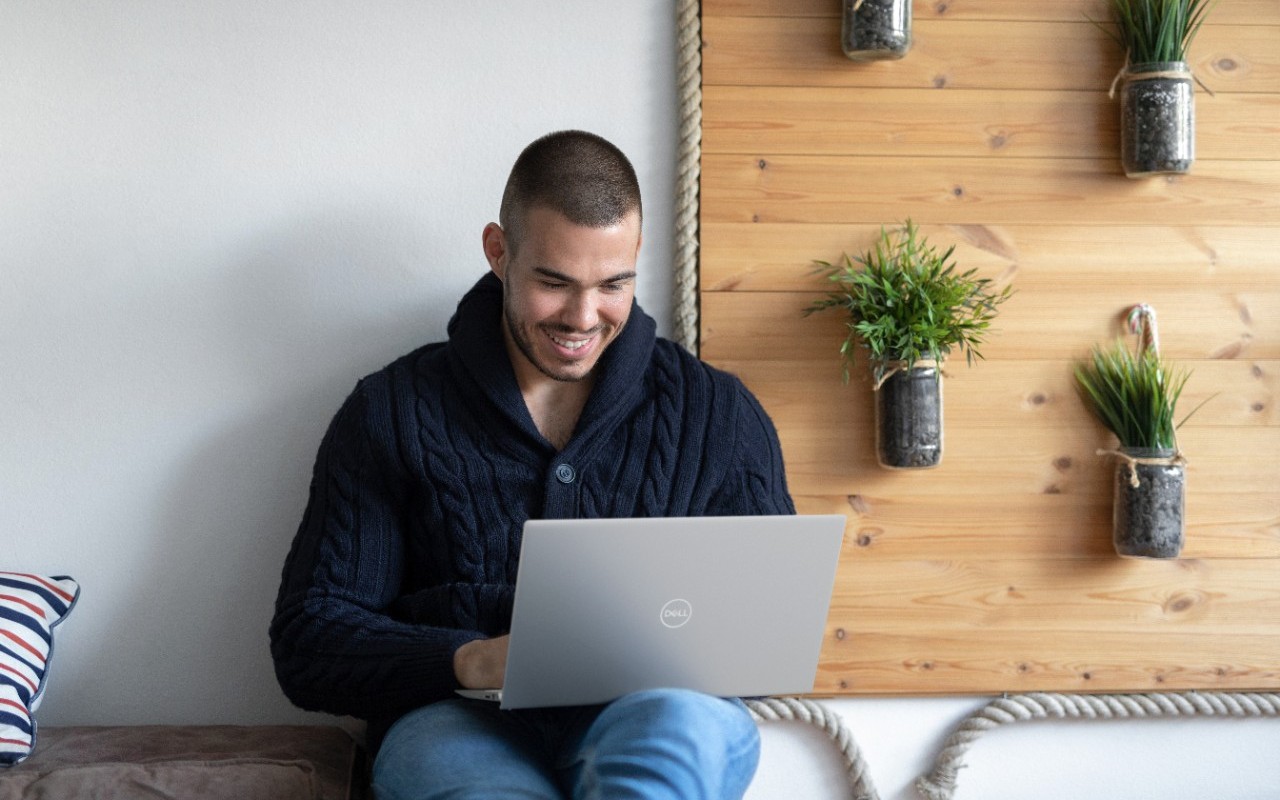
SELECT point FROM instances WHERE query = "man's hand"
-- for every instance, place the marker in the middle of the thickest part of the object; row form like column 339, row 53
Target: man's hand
column 481, row 664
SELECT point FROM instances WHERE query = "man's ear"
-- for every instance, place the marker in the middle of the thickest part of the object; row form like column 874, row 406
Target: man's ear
column 496, row 251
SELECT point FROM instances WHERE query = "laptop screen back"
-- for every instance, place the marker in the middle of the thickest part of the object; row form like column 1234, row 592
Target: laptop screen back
column 731, row 606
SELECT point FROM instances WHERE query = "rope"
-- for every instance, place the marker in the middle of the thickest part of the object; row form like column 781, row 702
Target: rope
column 940, row 783
column 1133, row 462
column 1142, row 321
column 689, row 97
column 894, row 367
column 794, row 708
column 1126, row 75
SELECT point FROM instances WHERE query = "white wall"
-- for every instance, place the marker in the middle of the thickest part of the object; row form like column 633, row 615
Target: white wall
column 214, row 217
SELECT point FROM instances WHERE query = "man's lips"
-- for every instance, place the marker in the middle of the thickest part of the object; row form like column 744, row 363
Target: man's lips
column 571, row 344
column 573, row 347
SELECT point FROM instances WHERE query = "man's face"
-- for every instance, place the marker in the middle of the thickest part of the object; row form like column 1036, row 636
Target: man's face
column 567, row 291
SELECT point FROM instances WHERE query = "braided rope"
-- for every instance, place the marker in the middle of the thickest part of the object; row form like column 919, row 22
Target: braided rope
column 689, row 96
column 940, row 783
column 801, row 710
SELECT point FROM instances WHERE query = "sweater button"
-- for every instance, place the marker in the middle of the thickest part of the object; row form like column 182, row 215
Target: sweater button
column 564, row 473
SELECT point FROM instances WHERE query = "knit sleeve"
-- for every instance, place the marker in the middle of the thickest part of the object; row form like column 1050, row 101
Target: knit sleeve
column 334, row 646
column 756, row 482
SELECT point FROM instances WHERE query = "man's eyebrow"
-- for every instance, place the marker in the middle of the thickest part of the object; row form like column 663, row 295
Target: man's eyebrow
column 547, row 272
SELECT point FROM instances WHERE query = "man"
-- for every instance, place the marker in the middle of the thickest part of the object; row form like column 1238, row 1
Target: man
column 552, row 398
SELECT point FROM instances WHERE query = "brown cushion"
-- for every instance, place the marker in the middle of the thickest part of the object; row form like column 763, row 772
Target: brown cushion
column 233, row 779
column 323, row 759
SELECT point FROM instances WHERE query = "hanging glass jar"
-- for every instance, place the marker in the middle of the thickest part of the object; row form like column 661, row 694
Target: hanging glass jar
column 909, row 418
column 1149, row 503
column 1157, row 119
column 875, row 30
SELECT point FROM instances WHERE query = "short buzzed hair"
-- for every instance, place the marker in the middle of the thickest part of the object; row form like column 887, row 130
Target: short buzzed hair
column 578, row 174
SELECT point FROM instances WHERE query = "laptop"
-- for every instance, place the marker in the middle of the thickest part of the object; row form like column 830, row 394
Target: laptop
column 729, row 606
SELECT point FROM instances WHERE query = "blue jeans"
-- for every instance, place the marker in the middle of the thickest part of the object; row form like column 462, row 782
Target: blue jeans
column 651, row 745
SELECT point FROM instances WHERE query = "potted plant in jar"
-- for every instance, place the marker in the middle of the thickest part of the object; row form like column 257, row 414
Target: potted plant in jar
column 909, row 308
column 1157, row 99
column 1134, row 395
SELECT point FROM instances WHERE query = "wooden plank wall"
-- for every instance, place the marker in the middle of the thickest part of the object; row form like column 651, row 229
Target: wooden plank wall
column 995, row 572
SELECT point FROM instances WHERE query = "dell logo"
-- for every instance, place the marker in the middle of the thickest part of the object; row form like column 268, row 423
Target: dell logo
column 676, row 613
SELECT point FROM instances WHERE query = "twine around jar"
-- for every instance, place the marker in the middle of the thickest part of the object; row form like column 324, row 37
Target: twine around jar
column 1125, row 74
column 895, row 367
column 1132, row 462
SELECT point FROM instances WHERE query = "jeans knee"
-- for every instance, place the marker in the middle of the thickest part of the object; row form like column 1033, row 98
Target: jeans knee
column 674, row 743
column 721, row 726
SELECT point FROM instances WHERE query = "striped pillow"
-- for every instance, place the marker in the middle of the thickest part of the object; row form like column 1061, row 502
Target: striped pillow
column 30, row 605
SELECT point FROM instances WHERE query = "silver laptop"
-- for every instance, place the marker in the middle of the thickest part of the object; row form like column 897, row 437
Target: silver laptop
column 729, row 606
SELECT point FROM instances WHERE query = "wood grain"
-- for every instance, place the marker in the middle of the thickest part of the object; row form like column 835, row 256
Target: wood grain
column 1022, row 460
column 1104, row 595
column 987, row 522
column 1022, row 661
column 1231, row 393
column 1234, row 12
column 970, row 54
column 770, row 121
column 740, row 256
column 1226, row 324
column 975, row 191
column 995, row 572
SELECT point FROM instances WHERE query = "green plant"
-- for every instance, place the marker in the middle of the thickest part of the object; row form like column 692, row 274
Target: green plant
column 1133, row 394
column 906, row 302
column 1157, row 30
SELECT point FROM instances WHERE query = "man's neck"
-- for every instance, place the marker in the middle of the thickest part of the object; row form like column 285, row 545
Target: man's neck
column 555, row 406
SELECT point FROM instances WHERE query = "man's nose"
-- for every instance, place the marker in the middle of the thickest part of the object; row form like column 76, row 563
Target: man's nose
column 583, row 313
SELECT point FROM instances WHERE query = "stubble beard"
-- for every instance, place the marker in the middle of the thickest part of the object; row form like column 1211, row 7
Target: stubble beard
column 524, row 344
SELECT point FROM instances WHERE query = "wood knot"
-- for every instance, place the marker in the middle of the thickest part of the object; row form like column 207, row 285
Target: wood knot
column 840, row 634
column 1038, row 399
column 762, row 164
column 957, row 191
column 865, row 540
column 1183, row 602
column 997, row 141
column 1232, row 350
column 859, row 504
column 1227, row 64
column 1062, row 463
column 940, row 7
column 939, row 81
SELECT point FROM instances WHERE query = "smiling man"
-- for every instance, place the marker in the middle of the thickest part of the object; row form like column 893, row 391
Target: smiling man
column 552, row 398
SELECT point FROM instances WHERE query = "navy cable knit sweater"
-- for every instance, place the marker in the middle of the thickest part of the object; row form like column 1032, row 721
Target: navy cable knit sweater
column 409, row 544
